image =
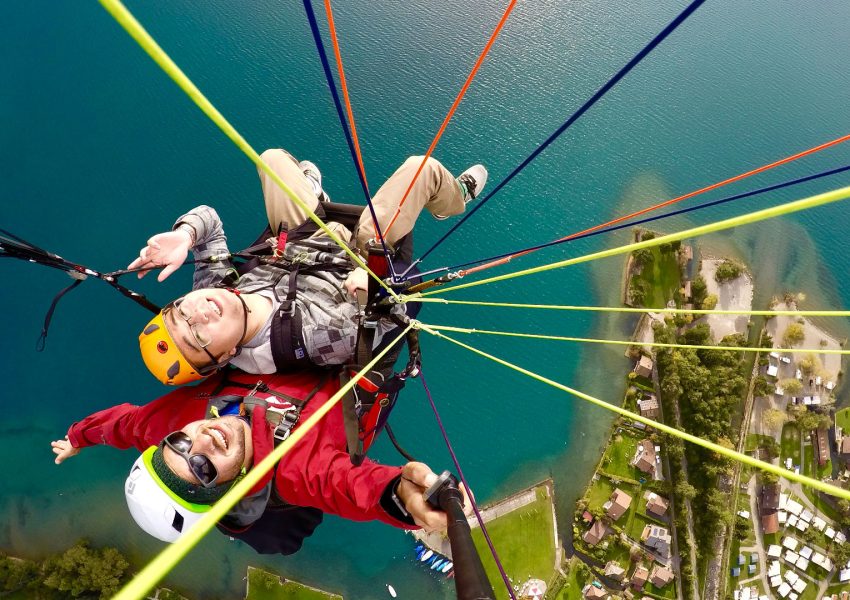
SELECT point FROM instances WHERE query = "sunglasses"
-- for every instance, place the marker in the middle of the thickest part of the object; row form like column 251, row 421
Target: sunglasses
column 199, row 464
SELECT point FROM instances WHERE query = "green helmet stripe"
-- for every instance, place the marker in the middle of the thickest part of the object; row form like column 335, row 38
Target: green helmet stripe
column 147, row 457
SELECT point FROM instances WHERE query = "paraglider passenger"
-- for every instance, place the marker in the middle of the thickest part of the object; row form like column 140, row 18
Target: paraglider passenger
column 265, row 322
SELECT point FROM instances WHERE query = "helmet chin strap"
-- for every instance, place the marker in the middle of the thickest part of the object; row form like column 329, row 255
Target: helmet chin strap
column 238, row 294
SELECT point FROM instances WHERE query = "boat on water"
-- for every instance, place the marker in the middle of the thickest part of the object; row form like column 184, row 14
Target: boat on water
column 426, row 555
column 437, row 564
column 391, row 590
column 447, row 567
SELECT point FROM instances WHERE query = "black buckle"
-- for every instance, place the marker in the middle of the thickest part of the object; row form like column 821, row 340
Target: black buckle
column 287, row 418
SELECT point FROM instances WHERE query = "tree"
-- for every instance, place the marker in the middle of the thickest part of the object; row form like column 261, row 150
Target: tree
column 794, row 334
column 841, row 553
column 809, row 364
column 699, row 335
column 699, row 289
column 791, row 386
column 17, row 575
column 81, row 570
column 771, row 448
column 773, row 418
column 808, row 420
column 685, row 491
column 742, row 529
column 727, row 271
column 710, row 302
column 643, row 256
column 762, row 387
column 638, row 291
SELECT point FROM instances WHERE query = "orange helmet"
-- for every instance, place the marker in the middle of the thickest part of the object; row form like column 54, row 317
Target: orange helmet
column 162, row 356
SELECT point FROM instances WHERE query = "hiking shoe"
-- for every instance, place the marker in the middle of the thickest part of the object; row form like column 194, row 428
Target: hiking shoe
column 471, row 183
column 311, row 171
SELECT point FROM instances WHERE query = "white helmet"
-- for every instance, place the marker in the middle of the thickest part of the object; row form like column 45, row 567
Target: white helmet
column 155, row 507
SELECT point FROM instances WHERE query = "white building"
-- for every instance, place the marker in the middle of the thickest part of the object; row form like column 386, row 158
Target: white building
column 790, row 542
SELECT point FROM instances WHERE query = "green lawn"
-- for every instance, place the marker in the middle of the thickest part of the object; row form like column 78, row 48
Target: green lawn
column 734, row 551
column 744, row 504
column 771, row 539
column 808, row 460
column 653, row 592
column 619, row 453
column 810, row 593
column 600, row 493
column 790, row 443
column 263, row 585
column 619, row 552
column 824, row 471
column 842, row 419
column 644, row 383
column 662, row 277
column 575, row 582
column 755, row 440
column 636, row 525
column 836, row 589
column 526, row 543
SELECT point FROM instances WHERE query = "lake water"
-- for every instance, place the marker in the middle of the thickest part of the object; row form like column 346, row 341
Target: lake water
column 99, row 150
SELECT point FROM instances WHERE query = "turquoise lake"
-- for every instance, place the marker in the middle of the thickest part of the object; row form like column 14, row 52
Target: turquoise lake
column 99, row 150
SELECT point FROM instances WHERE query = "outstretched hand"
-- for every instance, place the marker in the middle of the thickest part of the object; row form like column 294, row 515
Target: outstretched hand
column 63, row 449
column 167, row 250
column 416, row 478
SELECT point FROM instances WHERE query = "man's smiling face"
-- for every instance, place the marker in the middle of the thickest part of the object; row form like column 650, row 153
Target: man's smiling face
column 226, row 442
column 213, row 318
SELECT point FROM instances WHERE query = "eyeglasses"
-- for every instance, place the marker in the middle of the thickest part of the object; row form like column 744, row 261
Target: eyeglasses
column 199, row 332
column 199, row 464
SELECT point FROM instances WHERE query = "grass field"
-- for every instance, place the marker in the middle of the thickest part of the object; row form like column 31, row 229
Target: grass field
column 526, row 542
column 572, row 589
column 808, row 460
column 619, row 453
column 600, row 493
column 636, row 525
column 653, row 592
column 662, row 278
column 263, row 585
column 842, row 419
column 791, row 443
column 755, row 440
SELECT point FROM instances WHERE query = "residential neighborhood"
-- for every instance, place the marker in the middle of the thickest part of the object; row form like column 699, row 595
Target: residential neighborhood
column 660, row 519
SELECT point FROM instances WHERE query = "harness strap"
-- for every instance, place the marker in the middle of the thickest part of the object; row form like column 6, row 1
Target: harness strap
column 351, row 419
column 287, row 345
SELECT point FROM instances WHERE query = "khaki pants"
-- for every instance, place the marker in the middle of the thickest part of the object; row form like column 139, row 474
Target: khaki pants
column 435, row 189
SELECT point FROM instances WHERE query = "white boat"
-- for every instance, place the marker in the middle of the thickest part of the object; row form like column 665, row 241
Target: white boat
column 391, row 590
column 427, row 555
column 447, row 567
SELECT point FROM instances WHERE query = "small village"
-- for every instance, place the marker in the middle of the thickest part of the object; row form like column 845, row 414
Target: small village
column 638, row 532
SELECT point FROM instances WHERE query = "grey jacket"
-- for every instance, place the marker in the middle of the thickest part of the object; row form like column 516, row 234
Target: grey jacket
column 328, row 313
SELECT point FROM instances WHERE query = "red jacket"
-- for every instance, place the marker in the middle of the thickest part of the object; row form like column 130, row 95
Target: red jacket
column 316, row 472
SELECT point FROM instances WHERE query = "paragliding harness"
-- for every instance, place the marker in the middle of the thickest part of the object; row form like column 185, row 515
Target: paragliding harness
column 262, row 519
column 367, row 406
